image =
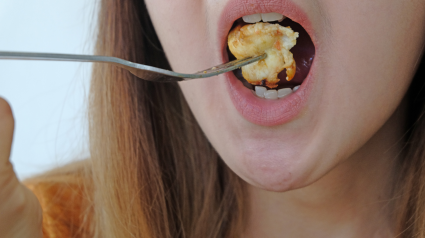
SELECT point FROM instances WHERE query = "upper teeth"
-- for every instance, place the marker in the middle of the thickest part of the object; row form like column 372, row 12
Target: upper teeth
column 266, row 17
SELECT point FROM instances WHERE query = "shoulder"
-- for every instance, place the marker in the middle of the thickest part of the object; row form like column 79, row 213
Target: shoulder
column 64, row 195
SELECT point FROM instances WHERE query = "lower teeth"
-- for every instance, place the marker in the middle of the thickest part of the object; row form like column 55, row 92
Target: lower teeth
column 262, row 92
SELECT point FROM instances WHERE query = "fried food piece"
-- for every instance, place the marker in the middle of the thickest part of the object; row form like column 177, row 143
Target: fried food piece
column 273, row 39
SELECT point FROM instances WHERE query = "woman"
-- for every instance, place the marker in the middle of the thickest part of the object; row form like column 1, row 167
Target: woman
column 342, row 156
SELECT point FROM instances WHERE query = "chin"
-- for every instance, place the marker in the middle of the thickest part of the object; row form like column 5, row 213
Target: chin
column 276, row 176
column 280, row 169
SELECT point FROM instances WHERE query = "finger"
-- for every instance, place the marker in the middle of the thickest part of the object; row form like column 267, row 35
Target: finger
column 20, row 212
column 7, row 125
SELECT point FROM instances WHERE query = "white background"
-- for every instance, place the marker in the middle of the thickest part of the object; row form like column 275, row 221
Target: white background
column 48, row 98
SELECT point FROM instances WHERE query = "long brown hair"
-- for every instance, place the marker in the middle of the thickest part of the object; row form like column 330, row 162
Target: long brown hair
column 411, row 184
column 154, row 172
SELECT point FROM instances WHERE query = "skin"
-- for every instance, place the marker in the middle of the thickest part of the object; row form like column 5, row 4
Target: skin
column 332, row 166
column 327, row 173
column 19, row 208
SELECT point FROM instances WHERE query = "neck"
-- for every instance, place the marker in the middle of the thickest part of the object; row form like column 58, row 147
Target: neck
column 352, row 200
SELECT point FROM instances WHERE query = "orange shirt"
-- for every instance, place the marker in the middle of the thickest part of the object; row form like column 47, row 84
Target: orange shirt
column 65, row 203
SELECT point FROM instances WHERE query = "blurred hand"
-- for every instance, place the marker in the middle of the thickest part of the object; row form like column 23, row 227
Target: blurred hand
column 20, row 211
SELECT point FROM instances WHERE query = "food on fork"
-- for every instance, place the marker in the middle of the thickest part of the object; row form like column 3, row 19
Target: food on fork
column 259, row 38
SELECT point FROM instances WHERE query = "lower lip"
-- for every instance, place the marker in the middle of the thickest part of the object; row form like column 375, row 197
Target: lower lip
column 266, row 112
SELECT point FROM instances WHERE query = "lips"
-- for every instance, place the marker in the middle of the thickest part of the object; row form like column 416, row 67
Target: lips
column 252, row 108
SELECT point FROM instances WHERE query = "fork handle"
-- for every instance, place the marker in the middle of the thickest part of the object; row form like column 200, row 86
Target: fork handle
column 56, row 57
column 142, row 71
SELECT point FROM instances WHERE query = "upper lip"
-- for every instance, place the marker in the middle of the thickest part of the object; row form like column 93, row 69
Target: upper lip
column 236, row 9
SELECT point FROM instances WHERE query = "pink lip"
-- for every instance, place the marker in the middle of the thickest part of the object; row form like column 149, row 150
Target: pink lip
column 252, row 108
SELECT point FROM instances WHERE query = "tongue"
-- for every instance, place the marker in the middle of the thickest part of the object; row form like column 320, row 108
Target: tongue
column 303, row 53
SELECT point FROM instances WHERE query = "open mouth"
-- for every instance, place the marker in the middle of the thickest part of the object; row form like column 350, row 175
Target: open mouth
column 303, row 54
column 262, row 110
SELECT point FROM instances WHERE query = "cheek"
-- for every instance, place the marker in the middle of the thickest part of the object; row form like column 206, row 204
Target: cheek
column 182, row 30
column 202, row 96
column 371, row 60
column 366, row 61
column 211, row 105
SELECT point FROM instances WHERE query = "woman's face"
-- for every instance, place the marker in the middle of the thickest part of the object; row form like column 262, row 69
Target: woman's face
column 365, row 56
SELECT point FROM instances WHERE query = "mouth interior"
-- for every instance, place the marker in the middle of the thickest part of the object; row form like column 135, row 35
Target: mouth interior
column 303, row 52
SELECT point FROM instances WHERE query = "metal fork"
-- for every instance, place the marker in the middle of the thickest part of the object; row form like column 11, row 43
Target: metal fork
column 142, row 71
